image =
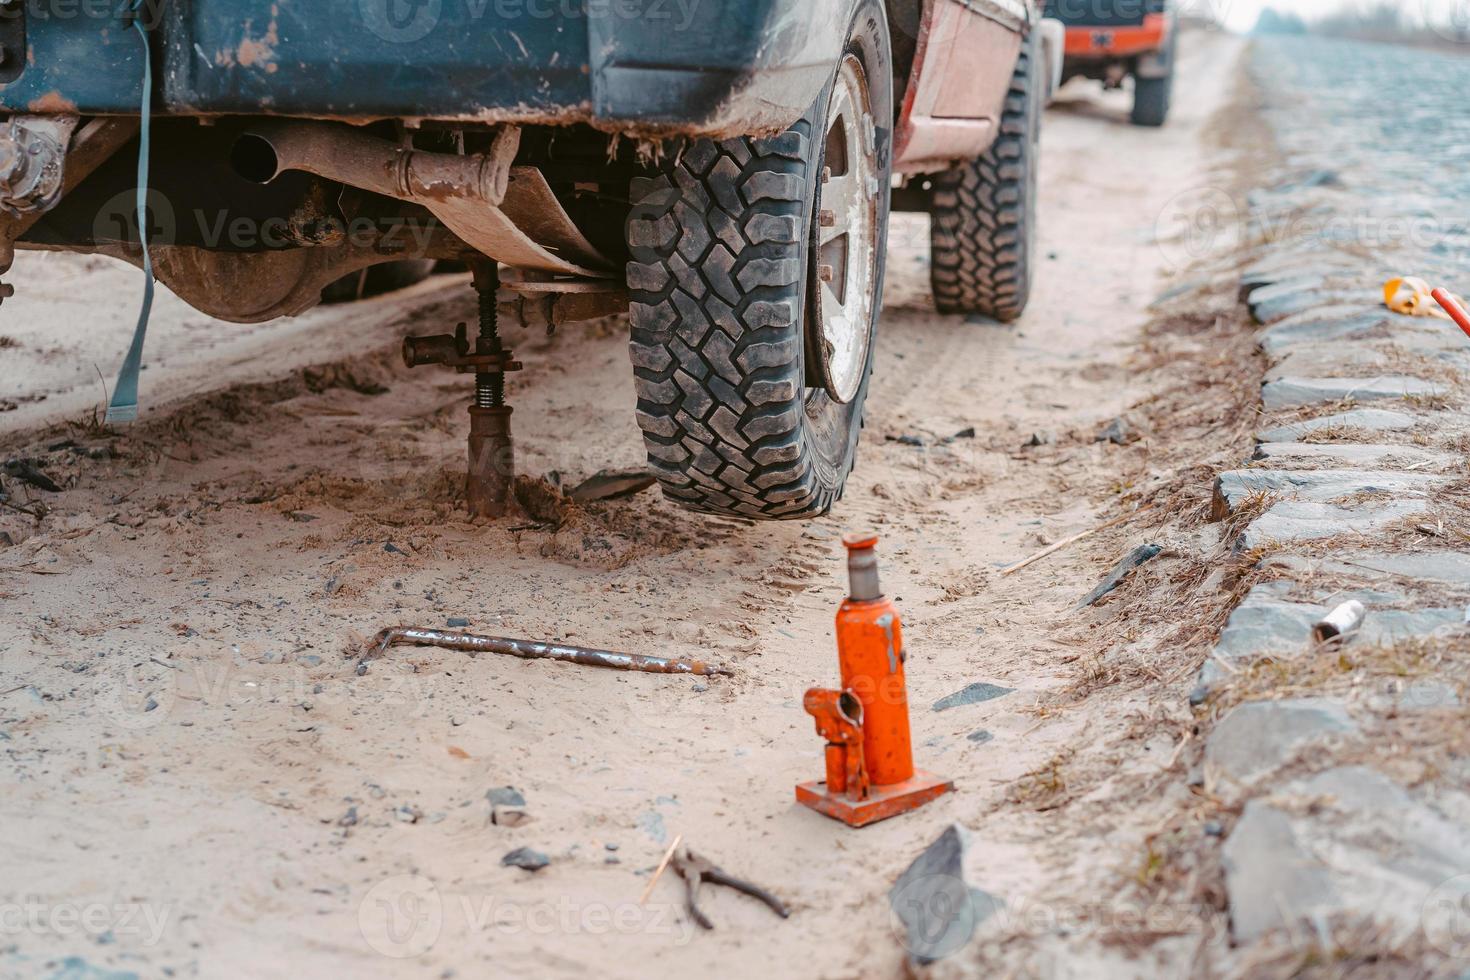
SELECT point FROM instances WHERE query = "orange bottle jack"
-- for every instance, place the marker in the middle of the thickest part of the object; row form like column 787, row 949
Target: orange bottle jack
column 870, row 760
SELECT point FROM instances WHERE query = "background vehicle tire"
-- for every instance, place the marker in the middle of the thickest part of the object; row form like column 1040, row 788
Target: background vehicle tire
column 750, row 382
column 983, row 231
column 1153, row 96
column 376, row 280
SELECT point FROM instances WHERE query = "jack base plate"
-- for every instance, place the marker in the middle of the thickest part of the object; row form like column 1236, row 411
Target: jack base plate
column 882, row 802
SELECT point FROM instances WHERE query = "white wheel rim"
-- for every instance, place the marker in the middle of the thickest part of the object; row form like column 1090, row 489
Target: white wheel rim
column 847, row 223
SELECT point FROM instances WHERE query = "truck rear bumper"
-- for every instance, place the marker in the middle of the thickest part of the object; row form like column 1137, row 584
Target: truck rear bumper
column 1106, row 43
column 637, row 66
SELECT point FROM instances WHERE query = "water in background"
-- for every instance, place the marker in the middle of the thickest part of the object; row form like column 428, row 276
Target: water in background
column 1387, row 126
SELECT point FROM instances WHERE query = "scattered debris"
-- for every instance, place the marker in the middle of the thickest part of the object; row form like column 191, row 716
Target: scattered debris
column 980, row 736
column 408, row 813
column 25, row 471
column 1138, row 556
column 662, row 866
column 1342, row 622
column 1067, row 542
column 696, row 871
column 526, row 859
column 965, row 433
column 611, row 484
column 1040, row 439
column 1119, row 432
column 974, row 694
column 907, row 440
column 541, row 499
column 938, row 906
column 535, row 650
column 507, row 807
column 651, row 822
column 318, row 380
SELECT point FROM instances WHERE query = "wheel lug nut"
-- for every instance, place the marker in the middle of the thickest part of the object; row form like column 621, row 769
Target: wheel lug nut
column 827, row 219
column 826, row 175
column 826, row 273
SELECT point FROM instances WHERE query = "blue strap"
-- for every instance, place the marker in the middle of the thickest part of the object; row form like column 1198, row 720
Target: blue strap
column 124, row 406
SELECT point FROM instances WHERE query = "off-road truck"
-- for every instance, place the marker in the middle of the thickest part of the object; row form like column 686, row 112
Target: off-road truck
column 721, row 170
column 1111, row 40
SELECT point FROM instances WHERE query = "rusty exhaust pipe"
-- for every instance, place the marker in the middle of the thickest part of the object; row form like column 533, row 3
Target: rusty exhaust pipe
column 347, row 155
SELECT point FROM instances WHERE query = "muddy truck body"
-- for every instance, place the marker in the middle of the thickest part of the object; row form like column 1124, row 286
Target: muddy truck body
column 720, row 170
column 1113, row 40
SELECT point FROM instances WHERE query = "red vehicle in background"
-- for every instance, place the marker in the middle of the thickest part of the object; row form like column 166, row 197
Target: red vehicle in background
column 1110, row 40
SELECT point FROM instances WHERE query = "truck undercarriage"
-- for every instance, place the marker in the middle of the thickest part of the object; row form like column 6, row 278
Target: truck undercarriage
column 557, row 151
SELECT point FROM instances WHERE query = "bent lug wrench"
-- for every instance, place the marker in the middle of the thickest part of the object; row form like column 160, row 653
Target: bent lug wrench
column 535, row 650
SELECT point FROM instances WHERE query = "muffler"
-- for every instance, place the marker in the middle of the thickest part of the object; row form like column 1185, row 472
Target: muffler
column 482, row 198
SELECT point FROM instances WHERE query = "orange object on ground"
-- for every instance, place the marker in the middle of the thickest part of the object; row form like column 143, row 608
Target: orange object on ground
column 1451, row 305
column 870, row 762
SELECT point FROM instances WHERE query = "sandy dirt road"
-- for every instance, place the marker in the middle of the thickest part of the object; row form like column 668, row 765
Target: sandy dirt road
column 187, row 750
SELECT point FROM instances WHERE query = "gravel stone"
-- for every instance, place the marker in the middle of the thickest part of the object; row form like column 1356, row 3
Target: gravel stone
column 1299, row 520
column 1268, row 621
column 1296, row 392
column 1444, row 567
column 1278, row 304
column 1259, row 737
column 939, row 906
column 1267, row 870
column 526, row 859
column 1369, row 419
column 1235, row 487
column 1138, row 556
column 1365, row 850
column 1324, row 327
column 974, row 694
column 1352, row 454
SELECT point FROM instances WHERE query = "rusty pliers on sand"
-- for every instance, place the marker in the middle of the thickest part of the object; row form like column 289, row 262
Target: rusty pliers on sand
column 696, row 871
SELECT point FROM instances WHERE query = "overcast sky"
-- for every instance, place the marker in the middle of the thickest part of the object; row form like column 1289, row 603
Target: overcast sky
column 1242, row 14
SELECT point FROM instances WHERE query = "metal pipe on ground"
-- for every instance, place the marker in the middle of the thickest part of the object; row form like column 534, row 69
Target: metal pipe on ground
column 535, row 650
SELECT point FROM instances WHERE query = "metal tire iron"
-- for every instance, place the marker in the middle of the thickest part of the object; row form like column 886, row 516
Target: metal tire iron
column 490, row 478
column 870, row 761
column 534, row 650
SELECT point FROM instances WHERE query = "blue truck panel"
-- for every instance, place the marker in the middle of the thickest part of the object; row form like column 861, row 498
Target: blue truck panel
column 694, row 65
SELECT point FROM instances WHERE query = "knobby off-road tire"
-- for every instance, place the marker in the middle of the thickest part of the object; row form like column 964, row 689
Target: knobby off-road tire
column 725, row 242
column 1152, row 97
column 983, row 212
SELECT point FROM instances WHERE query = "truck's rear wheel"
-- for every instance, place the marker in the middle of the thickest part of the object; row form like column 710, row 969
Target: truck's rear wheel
column 756, row 281
column 1152, row 96
column 983, row 231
